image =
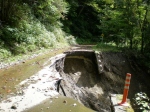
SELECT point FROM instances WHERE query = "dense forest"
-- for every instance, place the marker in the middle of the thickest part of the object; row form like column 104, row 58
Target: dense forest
column 29, row 25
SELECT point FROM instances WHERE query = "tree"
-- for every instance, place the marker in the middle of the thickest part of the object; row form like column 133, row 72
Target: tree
column 143, row 10
column 83, row 19
column 127, row 21
column 9, row 12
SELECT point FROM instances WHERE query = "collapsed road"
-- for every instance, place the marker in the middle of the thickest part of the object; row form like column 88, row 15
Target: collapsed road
column 33, row 90
column 84, row 75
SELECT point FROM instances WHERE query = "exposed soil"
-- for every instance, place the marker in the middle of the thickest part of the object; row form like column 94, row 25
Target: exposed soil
column 83, row 82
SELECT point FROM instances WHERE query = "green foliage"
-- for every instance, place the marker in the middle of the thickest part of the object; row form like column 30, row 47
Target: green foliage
column 31, row 25
column 71, row 40
column 111, row 47
column 126, row 22
column 4, row 53
column 141, row 102
column 82, row 19
column 49, row 11
column 85, row 41
column 112, row 27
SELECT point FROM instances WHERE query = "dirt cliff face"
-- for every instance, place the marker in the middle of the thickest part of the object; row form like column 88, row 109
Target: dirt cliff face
column 82, row 81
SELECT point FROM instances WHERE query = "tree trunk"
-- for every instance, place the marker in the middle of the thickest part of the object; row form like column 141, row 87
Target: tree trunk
column 142, row 24
column 131, row 43
column 142, row 42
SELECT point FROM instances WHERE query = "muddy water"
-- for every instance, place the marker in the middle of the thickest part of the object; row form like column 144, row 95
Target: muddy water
column 12, row 76
column 59, row 104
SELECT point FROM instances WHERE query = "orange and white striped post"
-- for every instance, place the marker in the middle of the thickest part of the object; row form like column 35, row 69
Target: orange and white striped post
column 126, row 89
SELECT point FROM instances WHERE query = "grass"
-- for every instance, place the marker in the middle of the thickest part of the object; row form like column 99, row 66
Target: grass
column 84, row 41
column 22, row 57
column 107, row 47
column 33, row 38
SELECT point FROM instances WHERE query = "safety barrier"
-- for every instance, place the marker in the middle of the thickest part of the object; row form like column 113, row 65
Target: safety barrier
column 126, row 89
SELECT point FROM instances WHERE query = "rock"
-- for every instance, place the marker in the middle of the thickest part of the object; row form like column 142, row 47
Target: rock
column 4, row 87
column 9, row 100
column 56, row 97
column 51, row 88
column 75, row 92
column 21, row 92
column 33, row 87
column 64, row 101
column 74, row 104
column 23, row 62
column 8, row 91
column 13, row 107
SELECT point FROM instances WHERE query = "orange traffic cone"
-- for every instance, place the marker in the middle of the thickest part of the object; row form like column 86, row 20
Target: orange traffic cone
column 126, row 89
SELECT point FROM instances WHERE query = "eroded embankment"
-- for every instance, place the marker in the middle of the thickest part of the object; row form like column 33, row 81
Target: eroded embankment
column 83, row 82
column 80, row 79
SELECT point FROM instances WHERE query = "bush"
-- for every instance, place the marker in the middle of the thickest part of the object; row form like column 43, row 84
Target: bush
column 38, row 26
column 4, row 53
column 71, row 40
column 83, row 41
column 31, row 48
column 141, row 102
column 20, row 49
column 107, row 47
